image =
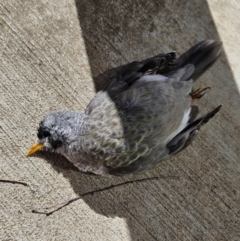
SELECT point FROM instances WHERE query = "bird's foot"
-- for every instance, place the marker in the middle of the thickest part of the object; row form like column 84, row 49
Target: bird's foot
column 198, row 93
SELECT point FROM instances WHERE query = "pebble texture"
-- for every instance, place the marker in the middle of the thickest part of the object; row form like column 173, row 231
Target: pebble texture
column 52, row 56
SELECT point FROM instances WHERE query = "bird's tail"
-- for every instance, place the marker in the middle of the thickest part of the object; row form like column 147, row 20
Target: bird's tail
column 202, row 55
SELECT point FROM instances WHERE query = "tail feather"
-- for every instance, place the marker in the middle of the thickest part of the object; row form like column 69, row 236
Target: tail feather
column 202, row 55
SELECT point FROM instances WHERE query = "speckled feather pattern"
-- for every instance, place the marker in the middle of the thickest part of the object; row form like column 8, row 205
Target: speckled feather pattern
column 130, row 126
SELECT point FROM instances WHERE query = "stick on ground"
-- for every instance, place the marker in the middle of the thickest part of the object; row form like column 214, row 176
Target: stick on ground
column 14, row 182
column 66, row 203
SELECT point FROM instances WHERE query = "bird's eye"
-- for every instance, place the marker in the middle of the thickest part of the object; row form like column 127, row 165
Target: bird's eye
column 55, row 143
column 43, row 134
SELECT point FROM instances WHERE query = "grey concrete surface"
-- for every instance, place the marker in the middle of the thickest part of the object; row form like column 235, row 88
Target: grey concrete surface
column 51, row 56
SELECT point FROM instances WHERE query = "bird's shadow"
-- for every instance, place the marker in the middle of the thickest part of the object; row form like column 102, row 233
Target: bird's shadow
column 116, row 33
column 107, row 203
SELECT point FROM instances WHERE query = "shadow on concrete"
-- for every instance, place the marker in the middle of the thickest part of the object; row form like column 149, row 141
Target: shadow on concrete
column 117, row 32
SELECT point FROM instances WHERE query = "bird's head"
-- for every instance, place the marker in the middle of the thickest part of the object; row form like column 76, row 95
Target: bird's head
column 52, row 132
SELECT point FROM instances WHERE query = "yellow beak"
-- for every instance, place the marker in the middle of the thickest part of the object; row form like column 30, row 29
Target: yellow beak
column 35, row 147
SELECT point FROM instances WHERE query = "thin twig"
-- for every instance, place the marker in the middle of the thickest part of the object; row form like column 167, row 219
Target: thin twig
column 64, row 204
column 14, row 182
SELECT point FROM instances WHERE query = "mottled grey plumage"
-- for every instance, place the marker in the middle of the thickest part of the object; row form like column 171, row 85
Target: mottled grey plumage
column 140, row 119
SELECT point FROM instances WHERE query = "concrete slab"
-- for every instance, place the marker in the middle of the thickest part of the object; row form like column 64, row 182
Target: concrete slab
column 52, row 53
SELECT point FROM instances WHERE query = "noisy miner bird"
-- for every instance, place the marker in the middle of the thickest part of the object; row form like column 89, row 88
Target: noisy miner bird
column 143, row 117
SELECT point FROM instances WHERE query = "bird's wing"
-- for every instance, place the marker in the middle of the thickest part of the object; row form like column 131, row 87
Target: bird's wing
column 202, row 56
column 185, row 137
column 161, row 152
column 142, row 116
column 132, row 72
column 136, row 124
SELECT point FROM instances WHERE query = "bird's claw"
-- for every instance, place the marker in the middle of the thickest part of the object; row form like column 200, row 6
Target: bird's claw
column 197, row 94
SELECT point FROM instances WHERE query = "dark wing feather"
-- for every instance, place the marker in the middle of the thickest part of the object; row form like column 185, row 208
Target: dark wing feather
column 158, row 64
column 202, row 55
column 185, row 137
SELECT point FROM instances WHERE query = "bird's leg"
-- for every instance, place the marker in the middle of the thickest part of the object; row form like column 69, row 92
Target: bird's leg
column 198, row 93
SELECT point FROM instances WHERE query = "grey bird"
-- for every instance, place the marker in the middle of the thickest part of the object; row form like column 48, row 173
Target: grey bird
column 143, row 116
